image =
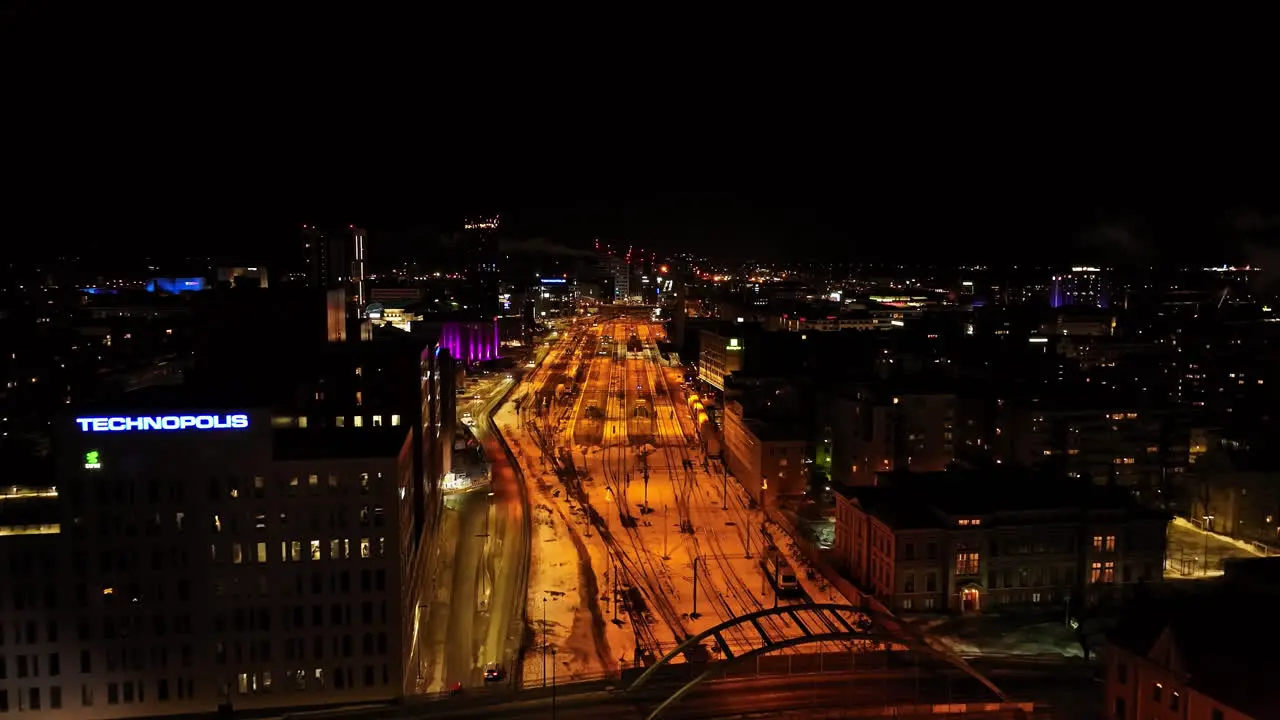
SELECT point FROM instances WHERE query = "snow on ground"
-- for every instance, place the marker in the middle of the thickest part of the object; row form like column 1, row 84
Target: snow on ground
column 1003, row 635
column 559, row 576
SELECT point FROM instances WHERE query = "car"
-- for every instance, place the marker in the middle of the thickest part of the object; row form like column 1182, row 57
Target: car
column 493, row 672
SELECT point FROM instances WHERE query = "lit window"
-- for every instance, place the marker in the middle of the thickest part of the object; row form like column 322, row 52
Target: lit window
column 966, row 563
column 395, row 419
column 365, row 549
column 1095, row 572
column 315, row 549
column 237, row 553
column 359, row 421
column 295, row 551
column 1110, row 544
column 377, row 421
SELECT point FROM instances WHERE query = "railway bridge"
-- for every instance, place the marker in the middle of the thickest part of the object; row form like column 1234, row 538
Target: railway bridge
column 814, row 623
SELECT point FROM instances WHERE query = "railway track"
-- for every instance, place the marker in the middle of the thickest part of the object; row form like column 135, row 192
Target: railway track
column 737, row 589
column 680, row 464
column 624, row 565
column 681, row 475
column 626, row 544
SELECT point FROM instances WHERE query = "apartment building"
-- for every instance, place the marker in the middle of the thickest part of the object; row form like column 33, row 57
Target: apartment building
column 768, row 461
column 1141, row 448
column 872, row 431
column 1194, row 653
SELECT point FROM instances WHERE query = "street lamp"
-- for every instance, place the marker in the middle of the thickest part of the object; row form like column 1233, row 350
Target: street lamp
column 1208, row 520
column 553, row 683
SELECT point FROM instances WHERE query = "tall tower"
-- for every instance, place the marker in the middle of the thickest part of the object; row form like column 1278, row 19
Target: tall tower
column 482, row 260
column 336, row 260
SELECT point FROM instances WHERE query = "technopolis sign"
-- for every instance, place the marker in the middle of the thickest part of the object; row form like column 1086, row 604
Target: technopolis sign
column 163, row 422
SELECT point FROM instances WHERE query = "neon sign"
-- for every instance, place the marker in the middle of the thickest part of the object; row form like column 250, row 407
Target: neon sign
column 163, row 422
column 92, row 460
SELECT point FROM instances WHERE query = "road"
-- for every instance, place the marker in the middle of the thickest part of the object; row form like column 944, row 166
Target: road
column 1187, row 545
column 476, row 613
column 729, row 698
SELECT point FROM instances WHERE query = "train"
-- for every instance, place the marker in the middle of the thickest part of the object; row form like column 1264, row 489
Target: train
column 780, row 573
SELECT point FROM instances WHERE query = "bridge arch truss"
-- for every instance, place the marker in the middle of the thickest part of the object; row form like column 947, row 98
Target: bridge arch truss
column 816, row 623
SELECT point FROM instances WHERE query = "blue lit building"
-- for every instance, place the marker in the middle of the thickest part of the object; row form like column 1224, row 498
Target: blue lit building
column 176, row 285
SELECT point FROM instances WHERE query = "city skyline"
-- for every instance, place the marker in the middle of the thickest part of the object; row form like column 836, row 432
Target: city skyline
column 638, row 363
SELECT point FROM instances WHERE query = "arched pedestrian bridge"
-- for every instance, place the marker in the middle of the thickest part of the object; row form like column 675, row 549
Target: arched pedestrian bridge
column 809, row 623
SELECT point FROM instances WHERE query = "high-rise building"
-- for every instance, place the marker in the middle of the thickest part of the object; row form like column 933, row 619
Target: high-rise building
column 336, row 260
column 483, row 266
column 1082, row 286
column 620, row 270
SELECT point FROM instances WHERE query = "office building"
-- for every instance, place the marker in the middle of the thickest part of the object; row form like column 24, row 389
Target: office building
column 968, row 541
column 206, row 560
column 720, row 354
column 199, row 553
column 336, row 259
column 620, row 270
column 483, row 261
column 1082, row 286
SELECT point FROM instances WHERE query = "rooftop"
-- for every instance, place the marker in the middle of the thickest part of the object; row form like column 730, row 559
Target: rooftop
column 1210, row 640
column 907, row 500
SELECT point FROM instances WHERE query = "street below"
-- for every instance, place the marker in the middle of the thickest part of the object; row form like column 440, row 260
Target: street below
column 475, row 610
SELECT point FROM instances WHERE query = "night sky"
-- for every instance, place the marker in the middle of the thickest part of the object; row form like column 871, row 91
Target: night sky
column 945, row 136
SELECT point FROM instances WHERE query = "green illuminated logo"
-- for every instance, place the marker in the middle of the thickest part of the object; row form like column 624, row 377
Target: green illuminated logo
column 92, row 461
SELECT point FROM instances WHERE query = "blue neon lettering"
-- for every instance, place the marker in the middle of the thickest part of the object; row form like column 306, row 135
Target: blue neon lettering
column 237, row 421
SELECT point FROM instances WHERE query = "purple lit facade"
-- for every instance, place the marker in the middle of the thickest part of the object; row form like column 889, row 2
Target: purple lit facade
column 470, row 342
